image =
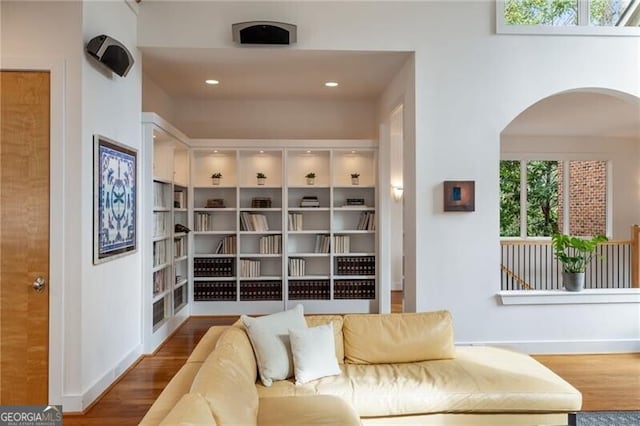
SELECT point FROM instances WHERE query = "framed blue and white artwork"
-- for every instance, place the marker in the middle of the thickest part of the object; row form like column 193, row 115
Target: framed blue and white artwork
column 115, row 206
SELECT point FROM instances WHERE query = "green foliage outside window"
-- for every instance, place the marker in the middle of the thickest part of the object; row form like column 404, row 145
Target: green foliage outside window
column 541, row 12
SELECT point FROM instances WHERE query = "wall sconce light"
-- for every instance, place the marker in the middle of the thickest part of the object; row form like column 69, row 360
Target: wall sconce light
column 397, row 191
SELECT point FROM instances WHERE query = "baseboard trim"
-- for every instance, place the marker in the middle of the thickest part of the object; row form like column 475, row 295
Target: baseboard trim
column 78, row 404
column 544, row 347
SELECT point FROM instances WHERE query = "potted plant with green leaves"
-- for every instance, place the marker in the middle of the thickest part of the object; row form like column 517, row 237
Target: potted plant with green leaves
column 311, row 178
column 575, row 254
column 215, row 178
column 355, row 178
column 261, row 178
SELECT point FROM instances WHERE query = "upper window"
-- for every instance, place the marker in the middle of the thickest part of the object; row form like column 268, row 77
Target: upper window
column 542, row 197
column 569, row 16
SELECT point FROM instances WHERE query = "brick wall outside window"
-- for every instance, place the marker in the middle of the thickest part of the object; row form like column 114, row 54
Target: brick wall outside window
column 587, row 197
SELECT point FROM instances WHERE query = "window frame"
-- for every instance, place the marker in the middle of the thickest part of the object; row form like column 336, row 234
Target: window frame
column 524, row 160
column 581, row 29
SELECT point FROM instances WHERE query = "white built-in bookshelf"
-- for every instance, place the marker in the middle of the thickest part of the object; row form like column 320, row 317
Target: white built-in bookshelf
column 165, row 170
column 263, row 246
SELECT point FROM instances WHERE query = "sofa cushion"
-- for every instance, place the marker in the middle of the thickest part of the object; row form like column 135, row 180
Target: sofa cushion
column 322, row 410
column 223, row 380
column 270, row 340
column 207, row 343
column 336, row 320
column 314, row 353
column 393, row 338
column 191, row 409
column 238, row 338
column 478, row 380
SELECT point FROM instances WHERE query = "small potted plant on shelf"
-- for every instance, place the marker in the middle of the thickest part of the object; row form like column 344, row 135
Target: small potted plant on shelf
column 261, row 178
column 215, row 178
column 355, row 178
column 311, row 178
column 575, row 254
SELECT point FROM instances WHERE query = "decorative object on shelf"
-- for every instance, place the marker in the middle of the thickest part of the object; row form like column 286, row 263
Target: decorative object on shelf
column 261, row 178
column 181, row 228
column 261, row 203
column 215, row 178
column 215, row 203
column 114, row 194
column 575, row 254
column 311, row 178
column 355, row 178
column 459, row 196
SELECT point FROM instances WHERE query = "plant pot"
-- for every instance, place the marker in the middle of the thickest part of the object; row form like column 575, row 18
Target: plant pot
column 355, row 181
column 261, row 181
column 311, row 181
column 573, row 281
column 215, row 181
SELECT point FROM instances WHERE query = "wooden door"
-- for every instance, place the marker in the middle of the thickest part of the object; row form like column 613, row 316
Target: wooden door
column 24, row 235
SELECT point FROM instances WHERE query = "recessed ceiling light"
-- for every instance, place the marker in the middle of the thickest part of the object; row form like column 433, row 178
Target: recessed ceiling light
column 331, row 84
column 308, row 152
column 261, row 152
column 212, row 82
column 353, row 152
column 215, row 150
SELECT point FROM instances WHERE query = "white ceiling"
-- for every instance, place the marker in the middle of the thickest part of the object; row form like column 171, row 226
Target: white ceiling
column 268, row 73
column 579, row 114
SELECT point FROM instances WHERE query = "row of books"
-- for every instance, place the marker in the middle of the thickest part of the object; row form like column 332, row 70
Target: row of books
column 309, row 290
column 356, row 265
column 179, row 296
column 249, row 268
column 159, row 281
column 214, row 290
column 270, row 244
column 227, row 245
column 261, row 290
column 354, row 289
column 323, row 244
column 159, row 195
column 203, row 222
column 160, row 220
column 179, row 247
column 341, row 244
column 158, row 311
column 295, row 221
column 367, row 221
column 296, row 267
column 159, row 253
column 253, row 222
column 213, row 267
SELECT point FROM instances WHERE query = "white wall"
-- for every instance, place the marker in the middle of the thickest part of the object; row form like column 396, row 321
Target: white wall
column 97, row 334
column 469, row 84
column 154, row 99
column 621, row 153
column 275, row 119
column 111, row 296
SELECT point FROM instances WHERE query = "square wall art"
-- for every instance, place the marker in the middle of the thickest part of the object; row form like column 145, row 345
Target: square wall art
column 459, row 196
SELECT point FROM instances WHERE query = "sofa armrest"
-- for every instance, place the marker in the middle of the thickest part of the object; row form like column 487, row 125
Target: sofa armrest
column 316, row 410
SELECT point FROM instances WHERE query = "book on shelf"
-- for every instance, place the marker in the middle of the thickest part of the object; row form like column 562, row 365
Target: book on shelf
column 323, row 244
column 214, row 203
column 309, row 290
column 261, row 202
column 160, row 220
column 309, row 201
column 226, row 245
column 159, row 281
column 249, row 268
column 296, row 267
column 354, row 289
column 270, row 244
column 295, row 221
column 179, row 247
column 159, row 253
column 213, row 267
column 356, row 265
column 203, row 222
column 341, row 244
column 158, row 311
column 253, row 222
column 354, row 202
column 261, row 290
column 367, row 221
column 159, row 195
column 178, row 199
column 214, row 290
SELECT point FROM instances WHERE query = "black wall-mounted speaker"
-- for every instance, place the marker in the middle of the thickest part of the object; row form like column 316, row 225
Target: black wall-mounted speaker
column 111, row 53
column 264, row 32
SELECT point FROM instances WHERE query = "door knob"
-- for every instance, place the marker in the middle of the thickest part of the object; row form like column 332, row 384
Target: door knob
column 39, row 284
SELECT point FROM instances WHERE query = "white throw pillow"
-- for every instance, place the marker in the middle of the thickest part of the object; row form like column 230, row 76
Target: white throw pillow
column 314, row 353
column 269, row 336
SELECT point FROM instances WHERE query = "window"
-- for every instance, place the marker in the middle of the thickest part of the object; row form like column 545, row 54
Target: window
column 603, row 17
column 542, row 197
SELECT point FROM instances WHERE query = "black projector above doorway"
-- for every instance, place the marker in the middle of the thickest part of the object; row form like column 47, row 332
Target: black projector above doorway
column 264, row 32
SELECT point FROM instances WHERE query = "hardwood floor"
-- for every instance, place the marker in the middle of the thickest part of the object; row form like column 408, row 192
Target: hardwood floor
column 607, row 382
